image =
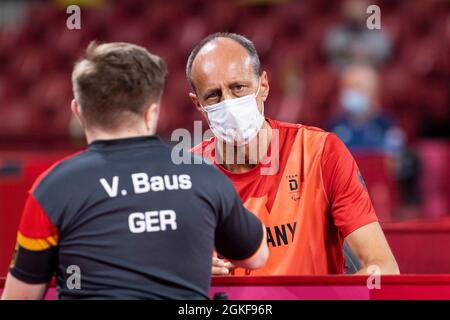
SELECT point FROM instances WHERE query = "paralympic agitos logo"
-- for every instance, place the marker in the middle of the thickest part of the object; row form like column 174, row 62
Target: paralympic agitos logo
column 294, row 186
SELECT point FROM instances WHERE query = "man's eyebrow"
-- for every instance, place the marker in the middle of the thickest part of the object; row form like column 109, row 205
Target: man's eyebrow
column 234, row 83
column 240, row 82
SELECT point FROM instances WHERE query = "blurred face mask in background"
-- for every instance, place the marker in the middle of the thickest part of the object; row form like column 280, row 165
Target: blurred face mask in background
column 235, row 120
column 355, row 101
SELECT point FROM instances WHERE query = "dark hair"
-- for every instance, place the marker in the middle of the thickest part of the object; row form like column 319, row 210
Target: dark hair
column 116, row 80
column 242, row 40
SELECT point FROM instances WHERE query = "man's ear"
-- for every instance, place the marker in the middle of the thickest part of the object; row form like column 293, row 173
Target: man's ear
column 264, row 84
column 198, row 106
column 151, row 116
column 195, row 101
column 76, row 110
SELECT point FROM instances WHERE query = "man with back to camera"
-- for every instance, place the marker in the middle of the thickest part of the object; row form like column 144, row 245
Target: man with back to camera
column 301, row 181
column 120, row 212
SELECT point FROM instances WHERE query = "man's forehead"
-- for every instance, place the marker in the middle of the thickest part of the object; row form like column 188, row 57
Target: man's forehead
column 221, row 57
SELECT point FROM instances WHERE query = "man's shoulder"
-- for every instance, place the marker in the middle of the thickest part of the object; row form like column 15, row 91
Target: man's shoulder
column 316, row 133
column 58, row 169
column 293, row 129
column 64, row 180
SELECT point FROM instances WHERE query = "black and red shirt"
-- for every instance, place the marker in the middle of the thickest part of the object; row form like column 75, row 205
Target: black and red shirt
column 133, row 223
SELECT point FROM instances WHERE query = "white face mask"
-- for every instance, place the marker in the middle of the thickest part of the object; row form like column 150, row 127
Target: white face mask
column 236, row 120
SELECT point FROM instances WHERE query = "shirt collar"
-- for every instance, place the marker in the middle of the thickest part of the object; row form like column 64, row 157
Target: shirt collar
column 134, row 142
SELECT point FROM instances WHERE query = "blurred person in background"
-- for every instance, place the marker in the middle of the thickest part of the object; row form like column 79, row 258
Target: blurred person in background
column 362, row 124
column 364, row 127
column 351, row 41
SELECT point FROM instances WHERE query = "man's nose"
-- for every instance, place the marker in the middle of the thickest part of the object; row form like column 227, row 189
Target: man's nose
column 227, row 94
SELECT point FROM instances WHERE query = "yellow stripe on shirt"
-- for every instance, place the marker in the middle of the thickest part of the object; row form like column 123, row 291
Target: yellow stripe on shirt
column 37, row 244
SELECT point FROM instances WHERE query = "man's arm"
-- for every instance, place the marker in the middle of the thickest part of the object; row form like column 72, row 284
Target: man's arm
column 259, row 258
column 242, row 239
column 16, row 289
column 352, row 210
column 35, row 259
column 369, row 244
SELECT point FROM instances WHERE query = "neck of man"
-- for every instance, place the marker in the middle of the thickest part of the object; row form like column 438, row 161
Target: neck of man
column 93, row 134
column 240, row 159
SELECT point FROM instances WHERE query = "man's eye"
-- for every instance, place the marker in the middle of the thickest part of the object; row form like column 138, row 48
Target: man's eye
column 238, row 87
column 211, row 96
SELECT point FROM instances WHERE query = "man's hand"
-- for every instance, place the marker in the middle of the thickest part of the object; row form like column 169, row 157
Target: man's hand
column 220, row 267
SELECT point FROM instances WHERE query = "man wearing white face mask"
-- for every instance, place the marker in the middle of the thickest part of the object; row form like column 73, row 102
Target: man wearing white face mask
column 314, row 200
column 236, row 121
